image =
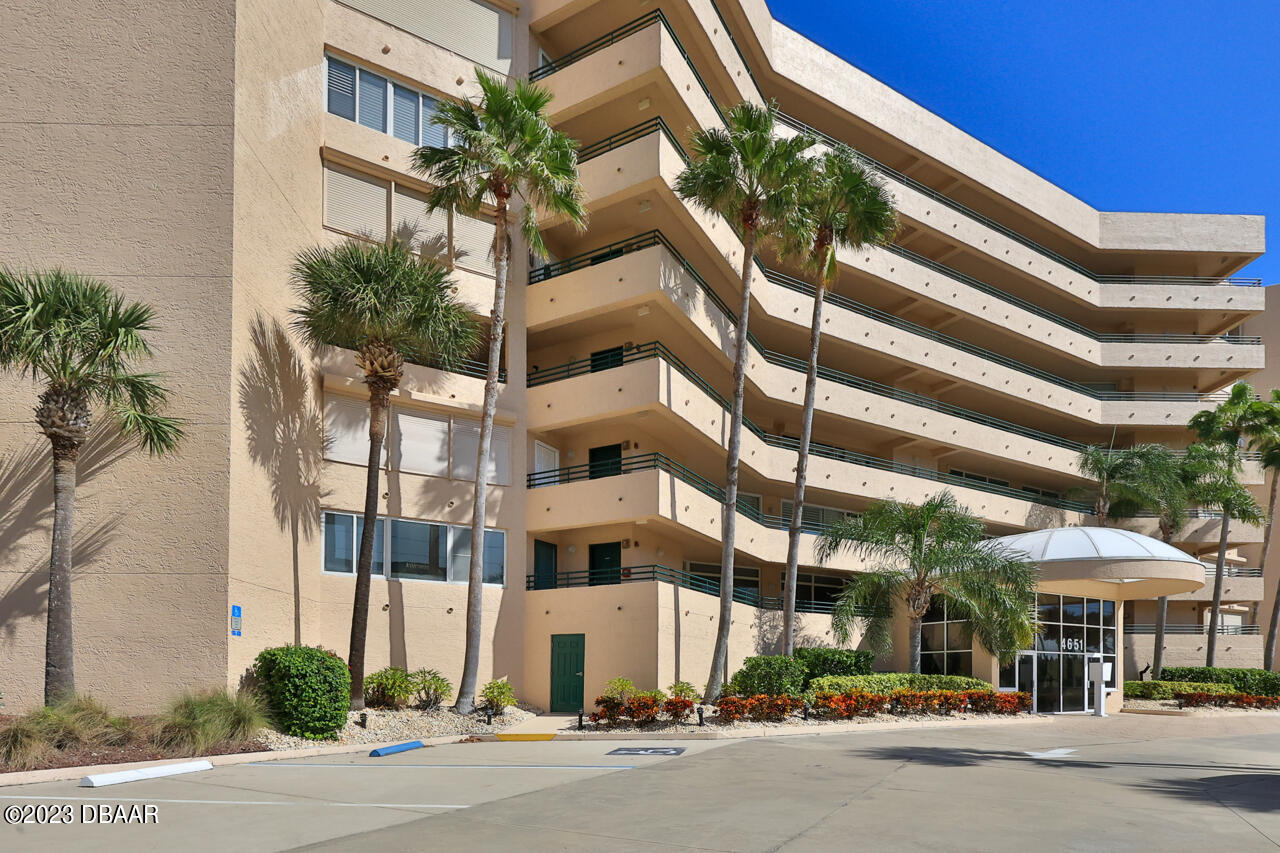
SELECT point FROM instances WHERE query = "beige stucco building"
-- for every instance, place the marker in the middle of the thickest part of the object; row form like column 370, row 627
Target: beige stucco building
column 186, row 153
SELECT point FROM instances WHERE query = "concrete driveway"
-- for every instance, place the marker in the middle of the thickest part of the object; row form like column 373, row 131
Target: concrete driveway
column 1075, row 783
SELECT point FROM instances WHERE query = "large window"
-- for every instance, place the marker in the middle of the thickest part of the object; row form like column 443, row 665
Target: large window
column 411, row 550
column 1073, row 632
column 946, row 645
column 418, row 442
column 814, row 518
column 820, row 589
column 372, row 100
column 744, row 577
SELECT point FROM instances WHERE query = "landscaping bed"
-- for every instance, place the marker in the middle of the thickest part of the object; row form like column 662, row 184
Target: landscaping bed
column 383, row 725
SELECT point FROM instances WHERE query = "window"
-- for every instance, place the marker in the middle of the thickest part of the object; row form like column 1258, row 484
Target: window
column 359, row 95
column 946, row 646
column 744, row 577
column 414, row 550
column 1071, row 626
column 978, row 478
column 1041, row 493
column 418, row 442
column 814, row 518
column 818, row 589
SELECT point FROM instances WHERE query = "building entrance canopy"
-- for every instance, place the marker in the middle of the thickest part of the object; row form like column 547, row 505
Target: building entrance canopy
column 1106, row 562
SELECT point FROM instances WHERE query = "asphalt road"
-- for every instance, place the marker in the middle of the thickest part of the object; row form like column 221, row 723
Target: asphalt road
column 1127, row 783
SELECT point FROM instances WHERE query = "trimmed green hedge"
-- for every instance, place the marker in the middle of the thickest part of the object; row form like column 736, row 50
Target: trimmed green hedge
column 1166, row 689
column 823, row 662
column 887, row 682
column 770, row 675
column 1255, row 682
column 307, row 688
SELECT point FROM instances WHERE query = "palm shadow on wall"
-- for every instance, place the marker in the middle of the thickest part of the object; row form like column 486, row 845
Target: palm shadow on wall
column 286, row 438
column 26, row 511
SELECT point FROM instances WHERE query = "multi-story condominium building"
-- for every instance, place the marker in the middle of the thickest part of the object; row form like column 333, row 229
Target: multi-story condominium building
column 185, row 154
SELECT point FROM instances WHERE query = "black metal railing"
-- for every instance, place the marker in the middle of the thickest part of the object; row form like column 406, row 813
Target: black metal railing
column 631, row 134
column 1234, row 571
column 1223, row 630
column 655, row 572
column 656, row 17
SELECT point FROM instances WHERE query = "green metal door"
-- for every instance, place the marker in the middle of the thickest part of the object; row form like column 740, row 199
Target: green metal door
column 568, row 657
column 604, row 563
column 605, row 461
column 544, row 564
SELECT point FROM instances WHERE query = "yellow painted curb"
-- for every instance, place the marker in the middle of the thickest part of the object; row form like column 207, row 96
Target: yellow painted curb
column 536, row 736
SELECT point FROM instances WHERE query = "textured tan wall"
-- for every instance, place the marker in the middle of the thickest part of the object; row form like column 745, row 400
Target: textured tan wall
column 118, row 164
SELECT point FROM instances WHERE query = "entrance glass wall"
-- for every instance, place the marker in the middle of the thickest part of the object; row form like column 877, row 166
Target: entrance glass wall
column 1073, row 631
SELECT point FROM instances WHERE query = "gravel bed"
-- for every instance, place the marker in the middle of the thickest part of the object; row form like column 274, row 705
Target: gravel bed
column 1172, row 705
column 712, row 722
column 384, row 725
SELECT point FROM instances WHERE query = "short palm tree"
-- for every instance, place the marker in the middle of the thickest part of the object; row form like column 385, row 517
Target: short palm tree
column 389, row 306
column 751, row 176
column 1213, row 470
column 502, row 149
column 1125, row 476
column 919, row 553
column 81, row 342
column 844, row 206
column 1267, row 442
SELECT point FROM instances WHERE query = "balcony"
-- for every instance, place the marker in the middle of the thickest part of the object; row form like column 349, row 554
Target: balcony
column 916, row 201
column 1195, row 629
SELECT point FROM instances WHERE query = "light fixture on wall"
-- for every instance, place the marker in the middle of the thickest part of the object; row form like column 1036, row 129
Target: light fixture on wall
column 661, row 553
column 573, row 549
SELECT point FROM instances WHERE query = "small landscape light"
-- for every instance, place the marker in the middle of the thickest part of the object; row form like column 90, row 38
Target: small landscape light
column 364, row 720
column 701, row 722
column 488, row 716
column 579, row 719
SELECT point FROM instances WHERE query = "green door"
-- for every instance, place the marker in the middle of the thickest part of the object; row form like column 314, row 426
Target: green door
column 604, row 461
column 605, row 563
column 544, row 564
column 568, row 656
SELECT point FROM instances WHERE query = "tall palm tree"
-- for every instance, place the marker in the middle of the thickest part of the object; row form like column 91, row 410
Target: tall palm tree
column 81, row 342
column 752, row 177
column 921, row 552
column 1214, row 468
column 844, row 206
column 389, row 306
column 1123, row 475
column 502, row 149
column 1157, row 484
column 1268, row 444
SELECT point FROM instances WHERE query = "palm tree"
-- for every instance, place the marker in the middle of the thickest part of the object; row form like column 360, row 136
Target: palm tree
column 81, row 342
column 1125, row 476
column 1213, row 469
column 501, row 148
column 919, row 553
column 1268, row 444
column 389, row 306
column 844, row 206
column 1157, row 484
column 752, row 177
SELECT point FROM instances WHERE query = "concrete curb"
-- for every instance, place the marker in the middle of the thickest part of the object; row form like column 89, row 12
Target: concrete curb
column 778, row 731
column 1158, row 712
column 62, row 774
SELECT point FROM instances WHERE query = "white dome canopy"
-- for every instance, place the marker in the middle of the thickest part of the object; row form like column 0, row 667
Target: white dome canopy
column 1091, row 543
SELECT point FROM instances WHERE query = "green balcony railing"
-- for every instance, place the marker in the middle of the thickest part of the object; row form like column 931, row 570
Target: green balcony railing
column 663, row 574
column 656, row 17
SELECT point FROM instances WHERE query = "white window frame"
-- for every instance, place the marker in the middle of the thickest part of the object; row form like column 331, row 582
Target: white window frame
column 385, row 570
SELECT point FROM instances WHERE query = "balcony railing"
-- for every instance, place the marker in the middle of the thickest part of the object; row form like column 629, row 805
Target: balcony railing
column 1223, row 630
column 1233, row 571
column 684, row 580
column 656, row 17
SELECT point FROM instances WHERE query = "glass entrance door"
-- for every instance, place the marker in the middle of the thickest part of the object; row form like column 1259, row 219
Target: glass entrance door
column 1073, row 632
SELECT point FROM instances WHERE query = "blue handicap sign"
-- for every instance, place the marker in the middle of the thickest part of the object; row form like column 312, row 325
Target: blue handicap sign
column 235, row 620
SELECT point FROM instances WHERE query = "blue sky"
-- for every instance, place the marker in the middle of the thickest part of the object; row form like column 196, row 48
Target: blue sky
column 1150, row 105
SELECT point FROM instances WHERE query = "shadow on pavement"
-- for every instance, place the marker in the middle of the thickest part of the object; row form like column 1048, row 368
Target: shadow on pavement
column 960, row 757
column 1255, row 792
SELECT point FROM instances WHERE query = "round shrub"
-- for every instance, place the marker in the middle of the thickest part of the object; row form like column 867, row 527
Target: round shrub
column 820, row 662
column 307, row 688
column 431, row 689
column 769, row 675
column 497, row 696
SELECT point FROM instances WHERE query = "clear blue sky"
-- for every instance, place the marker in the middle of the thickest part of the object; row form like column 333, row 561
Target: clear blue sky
column 1146, row 105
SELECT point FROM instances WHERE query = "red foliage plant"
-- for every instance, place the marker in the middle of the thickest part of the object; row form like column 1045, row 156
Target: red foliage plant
column 610, row 710
column 643, row 709
column 730, row 708
column 1197, row 699
column 677, row 709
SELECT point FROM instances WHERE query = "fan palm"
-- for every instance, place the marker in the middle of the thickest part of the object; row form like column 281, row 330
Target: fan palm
column 844, row 207
column 502, row 149
column 388, row 305
column 752, row 177
column 80, row 341
column 933, row 551
column 1213, row 473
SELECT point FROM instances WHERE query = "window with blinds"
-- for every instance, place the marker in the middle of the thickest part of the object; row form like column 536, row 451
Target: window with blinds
column 480, row 32
column 473, row 244
column 418, row 442
column 360, row 95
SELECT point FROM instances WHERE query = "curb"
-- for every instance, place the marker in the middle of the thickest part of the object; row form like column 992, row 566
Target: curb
column 775, row 731
column 1157, row 712
column 63, row 774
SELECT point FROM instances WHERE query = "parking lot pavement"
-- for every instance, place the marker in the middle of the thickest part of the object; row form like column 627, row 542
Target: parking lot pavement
column 269, row 806
column 1074, row 783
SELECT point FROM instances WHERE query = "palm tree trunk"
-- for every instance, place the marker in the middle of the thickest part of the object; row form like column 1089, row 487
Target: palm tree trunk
column 913, row 647
column 466, row 701
column 1157, row 654
column 802, row 469
column 59, row 650
column 720, row 657
column 1269, row 651
column 1212, row 645
column 378, row 400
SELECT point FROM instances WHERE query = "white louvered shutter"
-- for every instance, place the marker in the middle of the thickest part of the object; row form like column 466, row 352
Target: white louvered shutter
column 412, row 223
column 355, row 204
column 473, row 244
column 346, row 427
column 421, row 443
column 500, row 456
column 478, row 31
column 466, row 443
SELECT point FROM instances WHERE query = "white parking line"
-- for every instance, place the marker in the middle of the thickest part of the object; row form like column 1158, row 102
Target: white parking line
column 1060, row 752
column 239, row 802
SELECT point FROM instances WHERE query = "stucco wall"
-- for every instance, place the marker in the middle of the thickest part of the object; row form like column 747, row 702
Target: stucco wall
column 118, row 165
